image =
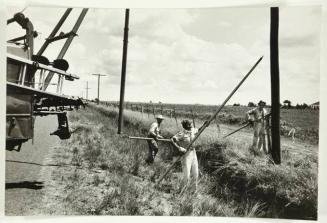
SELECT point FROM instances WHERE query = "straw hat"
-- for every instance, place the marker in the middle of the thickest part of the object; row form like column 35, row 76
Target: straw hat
column 159, row 117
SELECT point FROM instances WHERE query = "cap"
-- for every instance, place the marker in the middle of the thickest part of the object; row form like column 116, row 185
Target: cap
column 261, row 102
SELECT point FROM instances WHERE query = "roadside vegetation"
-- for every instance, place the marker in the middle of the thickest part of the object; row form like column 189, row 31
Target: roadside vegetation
column 108, row 174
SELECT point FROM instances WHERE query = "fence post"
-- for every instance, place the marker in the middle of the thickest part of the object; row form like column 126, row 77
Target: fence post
column 175, row 118
column 148, row 111
column 218, row 126
column 193, row 117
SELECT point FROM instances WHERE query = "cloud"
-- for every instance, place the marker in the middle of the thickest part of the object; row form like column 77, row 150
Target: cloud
column 190, row 55
column 302, row 41
column 224, row 24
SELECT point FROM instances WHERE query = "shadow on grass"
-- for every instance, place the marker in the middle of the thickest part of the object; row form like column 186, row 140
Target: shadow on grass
column 37, row 164
column 34, row 185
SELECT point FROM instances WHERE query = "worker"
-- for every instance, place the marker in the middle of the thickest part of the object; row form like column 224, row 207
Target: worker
column 189, row 160
column 256, row 117
column 154, row 133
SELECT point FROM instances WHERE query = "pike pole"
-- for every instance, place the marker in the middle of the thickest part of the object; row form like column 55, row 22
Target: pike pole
column 207, row 123
column 147, row 138
column 239, row 129
column 244, row 126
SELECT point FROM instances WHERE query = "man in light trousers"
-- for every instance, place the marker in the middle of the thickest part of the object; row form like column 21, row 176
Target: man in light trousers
column 257, row 117
column 189, row 160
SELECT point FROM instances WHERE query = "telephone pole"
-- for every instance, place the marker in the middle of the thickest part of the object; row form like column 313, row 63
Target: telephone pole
column 123, row 73
column 274, row 75
column 87, row 89
column 99, row 75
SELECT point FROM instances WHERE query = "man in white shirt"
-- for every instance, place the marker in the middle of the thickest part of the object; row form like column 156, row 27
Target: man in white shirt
column 257, row 117
column 154, row 133
column 189, row 160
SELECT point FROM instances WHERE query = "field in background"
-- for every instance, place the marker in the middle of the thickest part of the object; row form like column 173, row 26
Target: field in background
column 109, row 175
column 304, row 121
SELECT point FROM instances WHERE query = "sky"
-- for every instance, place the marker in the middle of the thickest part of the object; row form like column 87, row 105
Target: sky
column 190, row 56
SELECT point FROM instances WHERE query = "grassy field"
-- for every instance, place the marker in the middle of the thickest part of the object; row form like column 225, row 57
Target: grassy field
column 109, row 176
column 304, row 121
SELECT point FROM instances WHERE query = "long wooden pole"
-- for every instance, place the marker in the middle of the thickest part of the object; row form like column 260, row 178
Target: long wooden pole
column 123, row 74
column 206, row 124
column 99, row 75
column 274, row 75
column 147, row 138
column 246, row 125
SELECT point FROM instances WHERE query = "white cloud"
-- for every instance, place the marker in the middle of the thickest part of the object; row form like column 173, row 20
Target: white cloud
column 191, row 56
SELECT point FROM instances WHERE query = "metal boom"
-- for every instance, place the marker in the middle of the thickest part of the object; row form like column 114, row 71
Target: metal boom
column 69, row 40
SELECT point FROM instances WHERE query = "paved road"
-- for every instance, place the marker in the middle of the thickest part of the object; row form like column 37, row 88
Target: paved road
column 24, row 189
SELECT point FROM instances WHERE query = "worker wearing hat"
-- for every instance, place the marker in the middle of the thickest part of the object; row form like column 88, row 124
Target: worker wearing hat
column 189, row 160
column 257, row 116
column 154, row 133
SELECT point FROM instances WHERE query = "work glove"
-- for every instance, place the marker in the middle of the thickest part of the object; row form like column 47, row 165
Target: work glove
column 181, row 149
column 159, row 137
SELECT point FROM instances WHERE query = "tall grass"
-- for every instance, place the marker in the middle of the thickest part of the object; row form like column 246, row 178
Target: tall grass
column 233, row 181
column 289, row 190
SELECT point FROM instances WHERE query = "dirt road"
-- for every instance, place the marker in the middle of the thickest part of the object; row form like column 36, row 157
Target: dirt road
column 25, row 185
column 296, row 147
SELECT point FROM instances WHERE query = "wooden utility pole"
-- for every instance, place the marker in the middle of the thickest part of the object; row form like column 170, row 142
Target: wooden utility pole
column 123, row 73
column 274, row 75
column 99, row 75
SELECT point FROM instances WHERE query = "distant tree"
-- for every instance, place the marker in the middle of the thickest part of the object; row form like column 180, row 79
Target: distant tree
column 236, row 104
column 303, row 106
column 251, row 104
column 287, row 104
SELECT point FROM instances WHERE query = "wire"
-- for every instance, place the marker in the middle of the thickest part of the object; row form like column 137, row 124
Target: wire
column 23, row 9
